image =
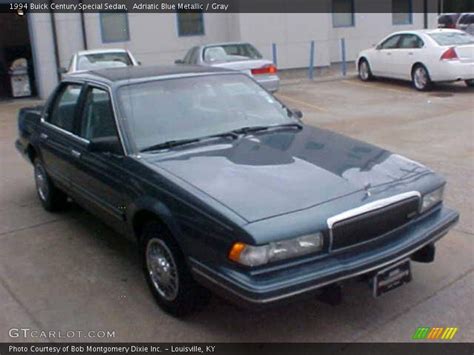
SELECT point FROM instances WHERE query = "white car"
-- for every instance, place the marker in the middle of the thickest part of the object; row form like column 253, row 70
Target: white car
column 423, row 56
column 100, row 58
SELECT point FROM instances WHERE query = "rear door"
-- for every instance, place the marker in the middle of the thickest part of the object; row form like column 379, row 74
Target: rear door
column 410, row 51
column 56, row 132
column 99, row 178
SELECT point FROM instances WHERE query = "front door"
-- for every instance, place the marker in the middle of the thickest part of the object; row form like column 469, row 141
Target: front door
column 98, row 177
column 55, row 133
column 384, row 57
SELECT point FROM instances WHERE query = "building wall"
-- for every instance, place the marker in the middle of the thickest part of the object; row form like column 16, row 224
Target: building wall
column 154, row 37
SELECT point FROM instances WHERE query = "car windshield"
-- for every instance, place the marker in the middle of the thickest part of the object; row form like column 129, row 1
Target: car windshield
column 103, row 60
column 452, row 38
column 230, row 53
column 187, row 108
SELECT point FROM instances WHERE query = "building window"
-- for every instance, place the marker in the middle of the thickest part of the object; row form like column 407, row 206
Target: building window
column 343, row 13
column 114, row 27
column 402, row 12
column 190, row 23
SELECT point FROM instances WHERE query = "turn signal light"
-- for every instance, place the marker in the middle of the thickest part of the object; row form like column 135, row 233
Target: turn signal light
column 268, row 69
column 235, row 251
column 450, row 54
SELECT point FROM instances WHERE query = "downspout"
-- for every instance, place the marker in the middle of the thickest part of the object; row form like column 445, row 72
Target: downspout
column 83, row 26
column 425, row 13
column 55, row 42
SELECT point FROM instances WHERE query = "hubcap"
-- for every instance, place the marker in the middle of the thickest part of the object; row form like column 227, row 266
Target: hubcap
column 41, row 182
column 162, row 269
column 421, row 78
column 364, row 71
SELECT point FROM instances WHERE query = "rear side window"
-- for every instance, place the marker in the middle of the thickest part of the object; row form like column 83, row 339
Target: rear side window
column 452, row 38
column 445, row 20
column 410, row 41
column 64, row 107
column 97, row 117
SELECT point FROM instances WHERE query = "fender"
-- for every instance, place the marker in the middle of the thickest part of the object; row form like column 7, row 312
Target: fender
column 158, row 208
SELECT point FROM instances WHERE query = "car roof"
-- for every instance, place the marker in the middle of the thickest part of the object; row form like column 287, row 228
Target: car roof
column 429, row 31
column 223, row 44
column 142, row 73
column 96, row 51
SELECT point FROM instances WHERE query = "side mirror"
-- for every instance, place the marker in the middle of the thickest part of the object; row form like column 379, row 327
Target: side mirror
column 296, row 113
column 179, row 61
column 378, row 47
column 105, row 145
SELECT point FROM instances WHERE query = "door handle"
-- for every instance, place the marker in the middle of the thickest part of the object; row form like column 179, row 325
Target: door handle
column 388, row 53
column 43, row 136
column 410, row 53
column 75, row 153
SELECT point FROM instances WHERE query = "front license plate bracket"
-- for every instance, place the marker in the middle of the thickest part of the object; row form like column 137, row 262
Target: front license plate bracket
column 391, row 277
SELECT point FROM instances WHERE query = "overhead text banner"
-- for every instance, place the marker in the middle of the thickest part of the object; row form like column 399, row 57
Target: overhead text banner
column 215, row 6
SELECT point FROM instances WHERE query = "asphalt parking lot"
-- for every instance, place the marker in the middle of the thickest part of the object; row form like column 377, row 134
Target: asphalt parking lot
column 68, row 271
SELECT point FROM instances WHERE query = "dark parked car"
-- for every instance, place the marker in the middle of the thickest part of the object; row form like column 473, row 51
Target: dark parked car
column 224, row 188
column 448, row 20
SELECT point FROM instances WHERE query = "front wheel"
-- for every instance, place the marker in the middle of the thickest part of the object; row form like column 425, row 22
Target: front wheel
column 49, row 195
column 421, row 78
column 365, row 74
column 167, row 274
column 470, row 83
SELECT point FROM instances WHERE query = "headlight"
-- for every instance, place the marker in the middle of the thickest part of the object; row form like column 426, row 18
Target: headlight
column 431, row 199
column 258, row 255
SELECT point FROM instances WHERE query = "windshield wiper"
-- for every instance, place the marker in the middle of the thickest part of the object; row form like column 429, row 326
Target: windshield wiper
column 252, row 129
column 179, row 142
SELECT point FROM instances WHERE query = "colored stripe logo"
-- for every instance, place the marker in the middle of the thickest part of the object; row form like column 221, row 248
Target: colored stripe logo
column 435, row 333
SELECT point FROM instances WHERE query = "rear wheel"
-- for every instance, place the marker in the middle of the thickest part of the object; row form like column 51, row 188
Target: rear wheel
column 470, row 83
column 167, row 274
column 421, row 78
column 365, row 74
column 49, row 195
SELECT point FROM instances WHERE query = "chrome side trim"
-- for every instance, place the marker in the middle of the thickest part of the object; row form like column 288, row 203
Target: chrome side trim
column 372, row 206
column 63, row 131
column 322, row 284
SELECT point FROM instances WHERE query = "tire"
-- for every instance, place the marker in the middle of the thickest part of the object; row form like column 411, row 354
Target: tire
column 469, row 83
column 52, row 199
column 365, row 74
column 420, row 78
column 167, row 273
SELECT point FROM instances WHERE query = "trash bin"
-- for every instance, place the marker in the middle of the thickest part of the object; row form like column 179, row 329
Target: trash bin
column 19, row 78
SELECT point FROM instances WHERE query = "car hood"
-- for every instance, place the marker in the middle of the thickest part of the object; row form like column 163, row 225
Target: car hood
column 278, row 172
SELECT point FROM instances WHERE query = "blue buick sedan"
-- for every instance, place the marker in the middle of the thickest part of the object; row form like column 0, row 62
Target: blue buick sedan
column 224, row 188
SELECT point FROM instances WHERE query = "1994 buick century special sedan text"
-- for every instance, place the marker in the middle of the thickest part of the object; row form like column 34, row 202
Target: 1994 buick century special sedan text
column 224, row 188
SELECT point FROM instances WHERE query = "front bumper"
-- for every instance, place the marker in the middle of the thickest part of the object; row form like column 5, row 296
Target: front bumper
column 259, row 289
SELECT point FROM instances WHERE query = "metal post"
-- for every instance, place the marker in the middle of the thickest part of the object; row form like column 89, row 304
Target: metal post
column 274, row 51
column 311, row 61
column 343, row 54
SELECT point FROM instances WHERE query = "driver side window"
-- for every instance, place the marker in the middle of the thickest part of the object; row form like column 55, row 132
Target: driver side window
column 97, row 119
column 391, row 43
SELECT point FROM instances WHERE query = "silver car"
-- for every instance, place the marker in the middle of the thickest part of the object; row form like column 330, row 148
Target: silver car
column 100, row 58
column 237, row 56
column 466, row 23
